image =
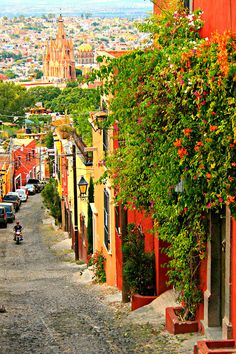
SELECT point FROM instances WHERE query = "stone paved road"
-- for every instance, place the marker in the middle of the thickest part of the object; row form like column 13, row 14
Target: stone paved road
column 49, row 313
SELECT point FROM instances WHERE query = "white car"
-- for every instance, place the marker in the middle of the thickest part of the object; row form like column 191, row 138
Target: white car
column 22, row 194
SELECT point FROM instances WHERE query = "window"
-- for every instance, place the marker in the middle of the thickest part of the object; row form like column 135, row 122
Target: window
column 117, row 219
column 105, row 140
column 106, row 219
column 188, row 4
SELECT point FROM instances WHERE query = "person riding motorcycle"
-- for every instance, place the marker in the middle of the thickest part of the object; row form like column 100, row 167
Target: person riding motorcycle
column 17, row 227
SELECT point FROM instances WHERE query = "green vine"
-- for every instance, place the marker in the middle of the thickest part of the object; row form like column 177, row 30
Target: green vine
column 173, row 111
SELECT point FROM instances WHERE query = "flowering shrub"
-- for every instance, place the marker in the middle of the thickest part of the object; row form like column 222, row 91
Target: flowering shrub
column 174, row 106
column 98, row 261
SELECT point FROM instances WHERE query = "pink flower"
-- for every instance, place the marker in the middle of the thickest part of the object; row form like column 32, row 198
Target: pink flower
column 220, row 200
column 208, row 205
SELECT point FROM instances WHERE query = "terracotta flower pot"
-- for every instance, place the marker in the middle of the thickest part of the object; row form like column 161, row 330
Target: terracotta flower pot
column 215, row 346
column 140, row 300
column 175, row 326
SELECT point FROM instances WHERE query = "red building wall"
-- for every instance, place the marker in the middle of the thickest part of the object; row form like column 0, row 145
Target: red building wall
column 218, row 15
column 25, row 162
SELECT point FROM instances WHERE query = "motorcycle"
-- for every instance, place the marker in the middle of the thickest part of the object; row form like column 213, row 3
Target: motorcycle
column 18, row 236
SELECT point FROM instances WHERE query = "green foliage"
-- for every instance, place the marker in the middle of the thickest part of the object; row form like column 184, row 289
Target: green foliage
column 138, row 265
column 14, row 101
column 77, row 102
column 52, row 199
column 5, row 55
column 98, row 260
column 174, row 109
column 72, row 84
column 38, row 74
column 49, row 141
column 44, row 94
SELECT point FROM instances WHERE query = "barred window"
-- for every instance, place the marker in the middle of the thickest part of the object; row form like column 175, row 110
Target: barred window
column 106, row 219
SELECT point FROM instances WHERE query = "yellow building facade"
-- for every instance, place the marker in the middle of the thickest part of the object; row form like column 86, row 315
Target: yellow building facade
column 103, row 207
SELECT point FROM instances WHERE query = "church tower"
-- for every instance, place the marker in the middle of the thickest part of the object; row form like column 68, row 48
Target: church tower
column 59, row 62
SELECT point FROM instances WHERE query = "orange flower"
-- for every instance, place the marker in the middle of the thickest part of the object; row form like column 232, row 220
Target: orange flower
column 182, row 152
column 233, row 164
column 208, row 175
column 198, row 145
column 187, row 131
column 178, row 143
column 213, row 128
column 230, row 199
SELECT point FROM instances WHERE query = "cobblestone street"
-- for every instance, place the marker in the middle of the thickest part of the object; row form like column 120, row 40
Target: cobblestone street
column 48, row 312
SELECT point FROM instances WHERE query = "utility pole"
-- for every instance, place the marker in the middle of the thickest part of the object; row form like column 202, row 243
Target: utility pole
column 75, row 204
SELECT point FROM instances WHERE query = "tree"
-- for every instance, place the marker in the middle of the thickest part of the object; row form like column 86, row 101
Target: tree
column 78, row 103
column 39, row 74
column 14, row 101
column 44, row 94
column 78, row 72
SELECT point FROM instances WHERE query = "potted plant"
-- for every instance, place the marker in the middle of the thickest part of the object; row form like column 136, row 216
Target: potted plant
column 138, row 268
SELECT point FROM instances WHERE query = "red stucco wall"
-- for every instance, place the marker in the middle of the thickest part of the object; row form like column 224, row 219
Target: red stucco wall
column 161, row 259
column 219, row 15
column 26, row 165
column 233, row 294
column 146, row 224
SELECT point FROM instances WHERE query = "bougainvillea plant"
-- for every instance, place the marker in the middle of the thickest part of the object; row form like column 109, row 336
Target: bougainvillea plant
column 173, row 112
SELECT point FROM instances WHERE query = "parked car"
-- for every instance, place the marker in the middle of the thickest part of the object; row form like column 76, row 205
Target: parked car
column 25, row 188
column 36, row 182
column 22, row 194
column 3, row 216
column 10, row 210
column 31, row 188
column 9, row 198
column 14, row 193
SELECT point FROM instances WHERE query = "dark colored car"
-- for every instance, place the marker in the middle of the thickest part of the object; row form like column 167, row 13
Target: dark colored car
column 10, row 210
column 9, row 198
column 36, row 182
column 3, row 217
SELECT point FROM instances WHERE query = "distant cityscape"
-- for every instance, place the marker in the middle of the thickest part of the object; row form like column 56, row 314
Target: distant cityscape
column 23, row 40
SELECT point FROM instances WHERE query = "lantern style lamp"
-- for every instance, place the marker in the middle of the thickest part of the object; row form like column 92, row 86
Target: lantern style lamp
column 83, row 185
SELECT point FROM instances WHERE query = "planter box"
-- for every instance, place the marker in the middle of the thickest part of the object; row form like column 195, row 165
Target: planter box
column 175, row 326
column 215, row 346
column 140, row 301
